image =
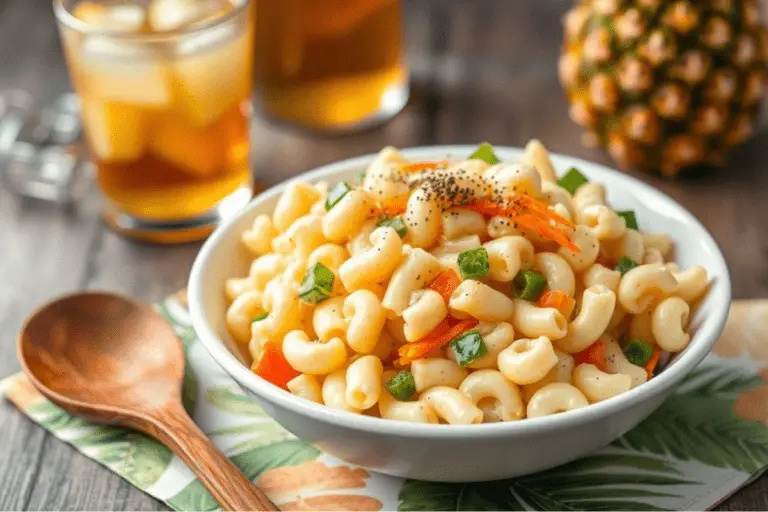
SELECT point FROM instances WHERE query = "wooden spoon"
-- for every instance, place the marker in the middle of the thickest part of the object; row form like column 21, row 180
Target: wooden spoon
column 113, row 360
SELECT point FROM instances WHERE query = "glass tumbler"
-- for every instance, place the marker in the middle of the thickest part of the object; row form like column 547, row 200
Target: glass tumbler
column 165, row 88
column 330, row 65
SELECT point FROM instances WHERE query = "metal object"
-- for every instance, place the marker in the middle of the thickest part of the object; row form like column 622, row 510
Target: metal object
column 15, row 107
column 41, row 152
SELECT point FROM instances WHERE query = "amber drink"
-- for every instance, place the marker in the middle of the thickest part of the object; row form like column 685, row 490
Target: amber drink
column 330, row 65
column 165, row 89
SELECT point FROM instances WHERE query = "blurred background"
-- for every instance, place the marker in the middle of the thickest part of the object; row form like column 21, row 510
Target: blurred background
column 479, row 70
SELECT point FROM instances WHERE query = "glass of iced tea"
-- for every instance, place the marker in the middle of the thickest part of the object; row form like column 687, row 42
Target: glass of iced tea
column 330, row 65
column 165, row 88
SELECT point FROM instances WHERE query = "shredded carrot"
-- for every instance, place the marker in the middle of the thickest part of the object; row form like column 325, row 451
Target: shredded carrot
column 273, row 367
column 541, row 207
column 423, row 166
column 394, row 206
column 487, row 208
column 531, row 214
column 543, row 228
column 559, row 300
column 438, row 337
column 650, row 366
column 445, row 283
column 593, row 354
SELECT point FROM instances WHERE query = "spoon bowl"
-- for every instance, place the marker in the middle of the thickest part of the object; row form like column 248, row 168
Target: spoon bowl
column 103, row 354
column 114, row 360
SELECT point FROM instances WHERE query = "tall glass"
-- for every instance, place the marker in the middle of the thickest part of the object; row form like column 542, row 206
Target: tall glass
column 330, row 65
column 165, row 88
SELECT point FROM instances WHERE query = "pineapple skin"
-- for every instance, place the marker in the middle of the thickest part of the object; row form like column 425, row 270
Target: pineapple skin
column 665, row 85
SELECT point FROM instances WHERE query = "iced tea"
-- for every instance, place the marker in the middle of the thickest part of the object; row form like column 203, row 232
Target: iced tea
column 330, row 64
column 165, row 88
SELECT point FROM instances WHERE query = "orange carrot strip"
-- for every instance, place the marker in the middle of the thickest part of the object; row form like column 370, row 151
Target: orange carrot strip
column 445, row 283
column 541, row 207
column 540, row 226
column 559, row 300
column 593, row 354
column 394, row 206
column 423, row 166
column 273, row 367
column 488, row 208
column 650, row 366
column 438, row 337
column 390, row 210
column 530, row 214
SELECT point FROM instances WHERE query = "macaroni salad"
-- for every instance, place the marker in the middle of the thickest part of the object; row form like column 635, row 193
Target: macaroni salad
column 458, row 291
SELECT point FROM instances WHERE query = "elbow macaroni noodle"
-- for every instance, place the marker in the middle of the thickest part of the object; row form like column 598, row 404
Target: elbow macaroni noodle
column 423, row 219
column 458, row 222
column 428, row 373
column 537, row 156
column 668, row 323
column 426, row 311
column 365, row 318
column 589, row 245
column 555, row 398
column 259, row 238
column 598, row 274
column 527, row 361
column 348, row 344
column 307, row 387
column 604, row 223
column 376, row 264
column 416, row 411
column 597, row 306
column 643, row 285
column 476, row 299
column 347, row 217
column 507, row 402
column 533, row 321
column 363, row 380
column 295, row 202
column 509, row 255
column 557, row 271
column 598, row 385
column 418, row 268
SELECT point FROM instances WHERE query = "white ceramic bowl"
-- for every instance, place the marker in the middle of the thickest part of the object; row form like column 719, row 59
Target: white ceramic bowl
column 475, row 452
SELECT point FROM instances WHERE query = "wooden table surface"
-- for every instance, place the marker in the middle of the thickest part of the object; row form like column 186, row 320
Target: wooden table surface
column 482, row 69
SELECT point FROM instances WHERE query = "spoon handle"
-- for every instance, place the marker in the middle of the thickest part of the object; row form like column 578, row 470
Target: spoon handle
column 216, row 472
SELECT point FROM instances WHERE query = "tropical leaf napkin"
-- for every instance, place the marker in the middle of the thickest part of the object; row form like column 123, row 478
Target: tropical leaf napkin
column 708, row 440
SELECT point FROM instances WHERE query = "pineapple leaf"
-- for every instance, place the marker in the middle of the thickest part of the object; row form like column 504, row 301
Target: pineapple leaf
column 619, row 481
column 698, row 423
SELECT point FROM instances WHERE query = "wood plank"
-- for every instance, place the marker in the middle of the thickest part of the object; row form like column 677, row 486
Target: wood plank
column 752, row 497
column 22, row 443
column 32, row 58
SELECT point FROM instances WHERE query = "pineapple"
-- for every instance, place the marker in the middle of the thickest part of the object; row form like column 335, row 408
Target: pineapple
column 665, row 85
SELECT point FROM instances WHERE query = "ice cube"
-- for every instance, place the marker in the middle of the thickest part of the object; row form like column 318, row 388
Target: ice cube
column 117, row 18
column 197, row 152
column 123, row 72
column 212, row 72
column 167, row 15
column 115, row 132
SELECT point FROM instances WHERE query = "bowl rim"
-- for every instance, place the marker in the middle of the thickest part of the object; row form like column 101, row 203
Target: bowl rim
column 705, row 337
